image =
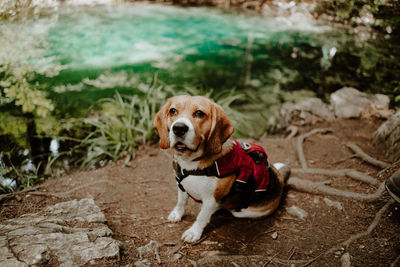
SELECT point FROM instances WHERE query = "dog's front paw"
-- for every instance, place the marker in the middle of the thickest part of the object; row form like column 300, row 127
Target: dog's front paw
column 175, row 215
column 191, row 235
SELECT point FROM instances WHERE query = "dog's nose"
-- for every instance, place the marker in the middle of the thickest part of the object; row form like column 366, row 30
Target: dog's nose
column 180, row 129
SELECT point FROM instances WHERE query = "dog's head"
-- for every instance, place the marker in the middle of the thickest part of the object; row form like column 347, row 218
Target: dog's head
column 192, row 124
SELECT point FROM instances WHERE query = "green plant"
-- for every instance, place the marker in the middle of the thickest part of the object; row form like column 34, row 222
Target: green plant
column 22, row 179
column 28, row 179
column 125, row 123
column 22, row 60
column 4, row 189
column 381, row 14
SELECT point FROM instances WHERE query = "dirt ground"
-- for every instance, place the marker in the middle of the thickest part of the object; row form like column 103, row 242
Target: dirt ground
column 137, row 199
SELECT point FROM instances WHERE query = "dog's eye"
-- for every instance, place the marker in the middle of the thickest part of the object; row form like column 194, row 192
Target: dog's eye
column 199, row 114
column 173, row 112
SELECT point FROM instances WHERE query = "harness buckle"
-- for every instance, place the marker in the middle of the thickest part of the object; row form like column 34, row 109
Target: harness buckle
column 245, row 146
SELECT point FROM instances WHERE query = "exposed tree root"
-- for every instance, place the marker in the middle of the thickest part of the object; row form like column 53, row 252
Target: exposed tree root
column 14, row 194
column 44, row 194
column 32, row 191
column 365, row 178
column 293, row 130
column 369, row 230
column 362, row 155
column 323, row 188
column 67, row 193
column 354, row 237
column 320, row 188
column 300, row 140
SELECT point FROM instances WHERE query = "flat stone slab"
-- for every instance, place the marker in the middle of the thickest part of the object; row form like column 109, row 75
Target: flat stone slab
column 70, row 233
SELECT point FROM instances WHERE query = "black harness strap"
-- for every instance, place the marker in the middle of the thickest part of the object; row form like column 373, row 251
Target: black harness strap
column 181, row 174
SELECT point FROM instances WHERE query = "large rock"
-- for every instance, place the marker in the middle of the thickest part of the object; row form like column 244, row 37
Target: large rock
column 308, row 111
column 350, row 103
column 70, row 233
column 345, row 103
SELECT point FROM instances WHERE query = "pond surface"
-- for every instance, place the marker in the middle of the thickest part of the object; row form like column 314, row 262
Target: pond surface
column 122, row 47
column 119, row 47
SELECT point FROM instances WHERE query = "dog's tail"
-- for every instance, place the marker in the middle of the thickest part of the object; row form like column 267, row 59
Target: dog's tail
column 284, row 171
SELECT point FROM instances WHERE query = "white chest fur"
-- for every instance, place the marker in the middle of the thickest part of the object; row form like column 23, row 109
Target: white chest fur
column 200, row 187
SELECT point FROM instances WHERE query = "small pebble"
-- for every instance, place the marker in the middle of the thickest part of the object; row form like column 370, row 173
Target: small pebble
column 345, row 259
column 176, row 256
column 274, row 235
column 332, row 203
column 298, row 212
column 140, row 264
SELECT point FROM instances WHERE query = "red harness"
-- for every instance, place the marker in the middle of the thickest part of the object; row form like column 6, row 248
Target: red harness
column 245, row 160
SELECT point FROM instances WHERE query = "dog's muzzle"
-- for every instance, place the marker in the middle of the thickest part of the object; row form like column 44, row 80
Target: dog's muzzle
column 180, row 129
column 182, row 135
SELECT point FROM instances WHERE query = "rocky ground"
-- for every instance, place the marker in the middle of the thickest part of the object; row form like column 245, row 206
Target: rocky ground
column 335, row 211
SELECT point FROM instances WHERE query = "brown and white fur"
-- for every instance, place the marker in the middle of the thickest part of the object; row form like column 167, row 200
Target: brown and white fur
column 199, row 132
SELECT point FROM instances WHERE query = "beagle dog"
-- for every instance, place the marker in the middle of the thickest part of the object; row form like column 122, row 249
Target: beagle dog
column 214, row 168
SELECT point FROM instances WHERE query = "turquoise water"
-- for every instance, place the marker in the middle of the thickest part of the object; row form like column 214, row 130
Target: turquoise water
column 104, row 37
column 186, row 47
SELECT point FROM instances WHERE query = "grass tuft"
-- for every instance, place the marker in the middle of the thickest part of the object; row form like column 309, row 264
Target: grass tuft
column 125, row 123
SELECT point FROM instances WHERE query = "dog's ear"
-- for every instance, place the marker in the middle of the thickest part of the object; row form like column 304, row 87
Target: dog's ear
column 221, row 129
column 161, row 125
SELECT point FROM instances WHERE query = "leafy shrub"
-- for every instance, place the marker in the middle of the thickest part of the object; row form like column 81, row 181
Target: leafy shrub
column 22, row 60
column 114, row 132
column 381, row 14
